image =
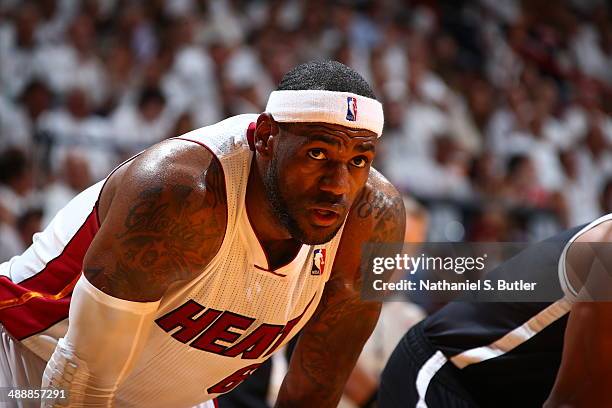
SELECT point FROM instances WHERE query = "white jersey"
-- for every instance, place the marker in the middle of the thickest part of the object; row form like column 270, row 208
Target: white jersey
column 209, row 334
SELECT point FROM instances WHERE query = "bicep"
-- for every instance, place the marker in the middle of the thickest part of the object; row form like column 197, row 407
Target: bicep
column 158, row 229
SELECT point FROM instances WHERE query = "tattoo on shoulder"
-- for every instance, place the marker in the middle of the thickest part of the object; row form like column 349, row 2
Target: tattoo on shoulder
column 170, row 233
column 387, row 212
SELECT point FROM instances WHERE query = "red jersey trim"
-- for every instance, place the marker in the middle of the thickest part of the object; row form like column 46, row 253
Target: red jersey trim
column 35, row 304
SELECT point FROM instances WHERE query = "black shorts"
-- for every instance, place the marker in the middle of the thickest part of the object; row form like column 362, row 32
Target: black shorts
column 414, row 355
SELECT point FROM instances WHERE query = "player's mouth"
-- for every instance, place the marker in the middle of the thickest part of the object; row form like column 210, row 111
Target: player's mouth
column 324, row 216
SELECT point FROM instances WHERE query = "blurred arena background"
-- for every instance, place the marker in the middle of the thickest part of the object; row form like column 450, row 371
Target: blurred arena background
column 498, row 112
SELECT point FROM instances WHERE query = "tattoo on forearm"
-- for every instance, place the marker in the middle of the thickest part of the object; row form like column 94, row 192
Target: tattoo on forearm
column 323, row 358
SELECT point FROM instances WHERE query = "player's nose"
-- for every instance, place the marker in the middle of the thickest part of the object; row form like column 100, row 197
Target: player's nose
column 336, row 179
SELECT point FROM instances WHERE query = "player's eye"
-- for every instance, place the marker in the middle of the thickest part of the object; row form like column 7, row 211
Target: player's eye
column 359, row 161
column 316, row 154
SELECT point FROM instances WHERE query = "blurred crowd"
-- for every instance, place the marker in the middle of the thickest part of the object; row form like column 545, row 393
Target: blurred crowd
column 497, row 111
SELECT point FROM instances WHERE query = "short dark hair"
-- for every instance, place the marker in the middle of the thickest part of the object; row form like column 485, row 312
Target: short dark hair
column 13, row 163
column 151, row 94
column 327, row 76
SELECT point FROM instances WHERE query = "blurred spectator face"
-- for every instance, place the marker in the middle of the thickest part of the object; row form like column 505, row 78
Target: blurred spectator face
column 394, row 115
column 27, row 19
column 517, row 96
column 37, row 98
column 183, row 31
column 569, row 163
column 449, row 153
column 342, row 17
column 151, row 104
column 521, row 171
column 548, row 95
column 606, row 197
column 82, row 33
column 418, row 69
column 531, row 78
column 77, row 103
column 76, row 172
column 29, row 224
column 219, row 53
column 596, row 141
column 539, row 115
column 490, row 225
column 6, row 217
column 482, row 172
column 517, row 36
column 445, row 150
column 480, row 100
column 445, row 48
column 15, row 171
column 47, row 8
column 588, row 94
column 120, row 60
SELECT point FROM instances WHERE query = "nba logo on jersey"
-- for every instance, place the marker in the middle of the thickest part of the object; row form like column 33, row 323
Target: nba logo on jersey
column 351, row 108
column 318, row 262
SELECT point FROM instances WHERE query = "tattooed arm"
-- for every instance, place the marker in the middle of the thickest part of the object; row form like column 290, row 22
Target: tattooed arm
column 163, row 219
column 332, row 340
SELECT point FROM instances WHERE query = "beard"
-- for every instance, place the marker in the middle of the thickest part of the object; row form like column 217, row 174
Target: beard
column 285, row 208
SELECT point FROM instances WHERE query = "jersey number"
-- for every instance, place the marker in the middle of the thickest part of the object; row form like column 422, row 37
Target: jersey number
column 232, row 381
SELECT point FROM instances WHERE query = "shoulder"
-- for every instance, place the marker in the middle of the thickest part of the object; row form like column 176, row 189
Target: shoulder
column 163, row 218
column 172, row 169
column 378, row 213
column 376, row 216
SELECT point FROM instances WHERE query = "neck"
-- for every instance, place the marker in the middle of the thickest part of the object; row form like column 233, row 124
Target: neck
column 262, row 216
column 275, row 240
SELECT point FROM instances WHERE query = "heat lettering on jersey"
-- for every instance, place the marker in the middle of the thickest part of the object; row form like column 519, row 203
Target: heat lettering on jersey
column 213, row 326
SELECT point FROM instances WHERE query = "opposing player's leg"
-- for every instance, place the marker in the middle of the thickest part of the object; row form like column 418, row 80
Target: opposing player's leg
column 417, row 375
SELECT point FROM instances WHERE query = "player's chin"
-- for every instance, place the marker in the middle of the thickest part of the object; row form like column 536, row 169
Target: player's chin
column 320, row 228
column 318, row 237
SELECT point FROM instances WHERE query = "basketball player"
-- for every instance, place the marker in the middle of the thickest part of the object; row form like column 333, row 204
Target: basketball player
column 204, row 254
column 514, row 354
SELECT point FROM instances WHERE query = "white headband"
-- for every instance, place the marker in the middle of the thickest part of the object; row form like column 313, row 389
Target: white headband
column 341, row 108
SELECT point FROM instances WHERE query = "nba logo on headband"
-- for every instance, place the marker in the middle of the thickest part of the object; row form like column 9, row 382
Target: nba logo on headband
column 351, row 109
column 317, row 105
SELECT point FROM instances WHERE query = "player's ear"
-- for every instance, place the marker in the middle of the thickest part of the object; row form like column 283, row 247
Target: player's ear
column 265, row 131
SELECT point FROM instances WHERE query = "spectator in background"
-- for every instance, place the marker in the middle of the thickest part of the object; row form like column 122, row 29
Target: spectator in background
column 594, row 156
column 16, row 196
column 442, row 176
column 16, row 183
column 522, row 186
column 29, row 223
column 75, row 63
column 579, row 193
column 10, row 241
column 605, row 199
column 74, row 176
column 18, row 51
column 73, row 126
column 136, row 127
